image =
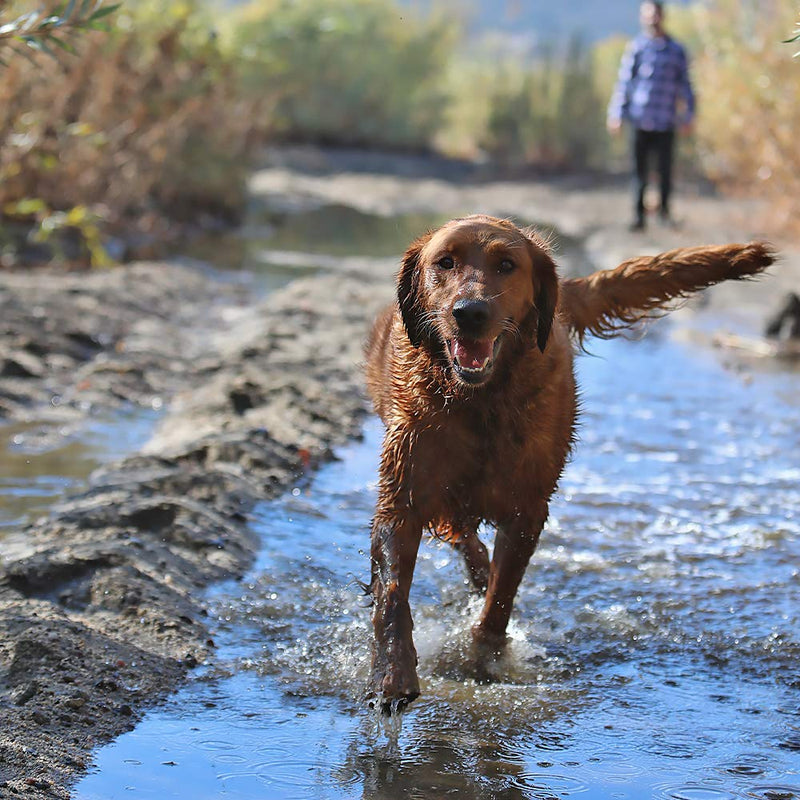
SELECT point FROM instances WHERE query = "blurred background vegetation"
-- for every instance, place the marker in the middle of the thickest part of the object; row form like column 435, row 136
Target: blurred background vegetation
column 123, row 137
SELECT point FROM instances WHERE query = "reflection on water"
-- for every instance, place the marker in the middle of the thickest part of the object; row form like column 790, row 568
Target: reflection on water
column 655, row 645
column 326, row 233
column 340, row 230
column 280, row 247
column 40, row 463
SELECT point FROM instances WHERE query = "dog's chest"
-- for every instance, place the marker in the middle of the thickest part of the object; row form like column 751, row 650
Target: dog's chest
column 482, row 465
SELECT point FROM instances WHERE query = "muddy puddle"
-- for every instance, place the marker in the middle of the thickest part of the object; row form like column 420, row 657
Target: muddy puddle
column 656, row 640
column 42, row 462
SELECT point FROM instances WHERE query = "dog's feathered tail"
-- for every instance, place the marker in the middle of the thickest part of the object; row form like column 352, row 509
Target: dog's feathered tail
column 608, row 301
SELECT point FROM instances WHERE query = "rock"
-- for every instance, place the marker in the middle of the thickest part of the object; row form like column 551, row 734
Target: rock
column 21, row 694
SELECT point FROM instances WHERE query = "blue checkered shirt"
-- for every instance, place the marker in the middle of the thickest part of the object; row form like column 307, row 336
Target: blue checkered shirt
column 653, row 91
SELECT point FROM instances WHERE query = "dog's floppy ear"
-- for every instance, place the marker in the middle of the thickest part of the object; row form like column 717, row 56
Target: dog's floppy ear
column 545, row 286
column 546, row 298
column 408, row 291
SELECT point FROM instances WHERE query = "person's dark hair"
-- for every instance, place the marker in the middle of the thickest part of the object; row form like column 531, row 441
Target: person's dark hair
column 659, row 6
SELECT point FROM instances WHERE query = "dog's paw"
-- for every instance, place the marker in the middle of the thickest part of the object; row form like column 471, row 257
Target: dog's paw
column 487, row 648
column 486, row 654
column 391, row 701
column 392, row 689
column 487, row 643
column 388, row 706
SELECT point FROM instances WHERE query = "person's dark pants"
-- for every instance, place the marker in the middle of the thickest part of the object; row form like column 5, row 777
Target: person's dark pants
column 644, row 144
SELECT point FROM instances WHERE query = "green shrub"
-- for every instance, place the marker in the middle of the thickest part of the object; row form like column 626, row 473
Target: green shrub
column 349, row 72
column 156, row 120
column 547, row 112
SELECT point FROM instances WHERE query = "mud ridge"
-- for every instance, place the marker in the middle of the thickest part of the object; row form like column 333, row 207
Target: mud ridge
column 101, row 611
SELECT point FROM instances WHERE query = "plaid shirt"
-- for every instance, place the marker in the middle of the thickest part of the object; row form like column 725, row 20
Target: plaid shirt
column 653, row 78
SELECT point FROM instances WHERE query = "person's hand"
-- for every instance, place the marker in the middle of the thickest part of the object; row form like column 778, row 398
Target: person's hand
column 614, row 126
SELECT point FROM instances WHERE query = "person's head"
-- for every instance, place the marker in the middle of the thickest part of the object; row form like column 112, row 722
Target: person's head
column 651, row 17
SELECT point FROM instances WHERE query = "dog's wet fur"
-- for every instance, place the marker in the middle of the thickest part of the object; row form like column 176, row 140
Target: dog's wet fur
column 471, row 371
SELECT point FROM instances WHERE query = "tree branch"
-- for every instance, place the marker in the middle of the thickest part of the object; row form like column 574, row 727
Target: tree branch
column 50, row 24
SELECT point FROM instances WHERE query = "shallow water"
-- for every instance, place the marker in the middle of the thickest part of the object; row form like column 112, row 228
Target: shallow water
column 40, row 463
column 280, row 246
column 656, row 638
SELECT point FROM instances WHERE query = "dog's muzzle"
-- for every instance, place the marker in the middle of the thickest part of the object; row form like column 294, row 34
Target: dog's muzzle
column 471, row 352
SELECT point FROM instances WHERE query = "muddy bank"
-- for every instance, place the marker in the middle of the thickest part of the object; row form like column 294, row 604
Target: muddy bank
column 100, row 602
column 101, row 609
column 72, row 344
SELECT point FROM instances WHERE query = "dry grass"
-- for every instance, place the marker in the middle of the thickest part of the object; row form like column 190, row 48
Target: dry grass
column 749, row 88
column 140, row 127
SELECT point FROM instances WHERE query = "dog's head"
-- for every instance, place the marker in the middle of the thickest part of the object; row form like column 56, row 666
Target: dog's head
column 475, row 288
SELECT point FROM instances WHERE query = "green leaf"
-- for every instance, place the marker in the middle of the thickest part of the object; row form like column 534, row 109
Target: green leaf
column 76, row 216
column 45, row 48
column 69, row 48
column 104, row 12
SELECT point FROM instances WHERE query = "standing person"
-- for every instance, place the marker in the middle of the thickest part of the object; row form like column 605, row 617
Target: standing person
column 653, row 93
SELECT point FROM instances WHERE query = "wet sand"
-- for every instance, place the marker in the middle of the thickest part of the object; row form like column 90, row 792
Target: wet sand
column 101, row 602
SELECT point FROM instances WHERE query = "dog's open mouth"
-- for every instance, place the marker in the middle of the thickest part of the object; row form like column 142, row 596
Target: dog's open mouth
column 473, row 360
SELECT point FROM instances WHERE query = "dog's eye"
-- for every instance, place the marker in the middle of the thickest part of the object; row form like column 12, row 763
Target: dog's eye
column 446, row 262
column 506, row 266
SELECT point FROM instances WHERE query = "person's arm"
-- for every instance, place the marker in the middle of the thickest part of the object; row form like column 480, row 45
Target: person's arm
column 620, row 97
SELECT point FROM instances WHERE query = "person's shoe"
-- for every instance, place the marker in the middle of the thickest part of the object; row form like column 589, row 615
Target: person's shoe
column 637, row 226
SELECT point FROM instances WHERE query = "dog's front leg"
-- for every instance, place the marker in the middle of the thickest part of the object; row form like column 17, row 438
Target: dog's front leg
column 514, row 545
column 395, row 542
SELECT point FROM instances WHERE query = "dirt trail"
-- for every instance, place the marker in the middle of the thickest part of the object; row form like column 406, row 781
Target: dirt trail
column 101, row 610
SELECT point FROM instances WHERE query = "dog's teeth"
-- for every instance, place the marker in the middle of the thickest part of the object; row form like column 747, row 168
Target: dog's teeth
column 481, row 368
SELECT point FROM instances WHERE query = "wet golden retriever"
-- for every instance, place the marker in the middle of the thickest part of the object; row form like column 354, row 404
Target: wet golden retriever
column 471, row 371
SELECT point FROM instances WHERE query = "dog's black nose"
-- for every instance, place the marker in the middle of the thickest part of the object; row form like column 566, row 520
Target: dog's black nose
column 471, row 315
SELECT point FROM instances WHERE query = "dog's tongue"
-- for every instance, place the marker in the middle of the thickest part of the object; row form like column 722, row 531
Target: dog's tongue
column 472, row 355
